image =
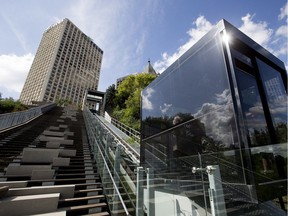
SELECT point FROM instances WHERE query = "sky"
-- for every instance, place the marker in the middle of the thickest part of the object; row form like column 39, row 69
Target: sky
column 132, row 31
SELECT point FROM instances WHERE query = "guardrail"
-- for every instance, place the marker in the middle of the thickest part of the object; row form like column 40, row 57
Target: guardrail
column 112, row 180
column 14, row 119
column 109, row 153
column 126, row 129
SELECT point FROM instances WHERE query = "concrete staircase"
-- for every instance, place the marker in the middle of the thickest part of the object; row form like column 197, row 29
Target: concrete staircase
column 46, row 168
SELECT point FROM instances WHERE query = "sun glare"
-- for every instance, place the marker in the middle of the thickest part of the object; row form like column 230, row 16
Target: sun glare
column 226, row 37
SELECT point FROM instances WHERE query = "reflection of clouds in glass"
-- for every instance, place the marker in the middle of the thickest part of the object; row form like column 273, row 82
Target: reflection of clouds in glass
column 146, row 103
column 276, row 149
column 256, row 124
column 165, row 108
column 217, row 118
column 256, row 109
column 255, row 117
column 278, row 106
column 224, row 97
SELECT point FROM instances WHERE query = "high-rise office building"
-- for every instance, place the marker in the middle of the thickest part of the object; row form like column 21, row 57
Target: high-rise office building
column 66, row 64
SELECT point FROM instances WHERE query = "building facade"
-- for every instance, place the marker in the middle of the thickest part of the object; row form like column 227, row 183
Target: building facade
column 66, row 64
column 223, row 103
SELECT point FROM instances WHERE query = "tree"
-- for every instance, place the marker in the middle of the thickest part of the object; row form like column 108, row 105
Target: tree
column 9, row 105
column 124, row 90
column 127, row 99
column 110, row 98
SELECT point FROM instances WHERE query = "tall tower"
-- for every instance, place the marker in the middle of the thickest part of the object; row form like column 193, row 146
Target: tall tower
column 66, row 64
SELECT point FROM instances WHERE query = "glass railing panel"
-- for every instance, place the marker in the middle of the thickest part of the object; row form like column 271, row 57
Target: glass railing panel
column 12, row 119
column 118, row 186
column 232, row 182
column 215, row 184
column 174, row 190
column 246, row 188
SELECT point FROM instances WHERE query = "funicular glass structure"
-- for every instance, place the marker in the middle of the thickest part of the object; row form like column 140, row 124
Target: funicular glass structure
column 214, row 131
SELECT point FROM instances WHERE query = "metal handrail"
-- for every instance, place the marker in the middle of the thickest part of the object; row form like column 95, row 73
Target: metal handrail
column 89, row 122
column 15, row 119
column 128, row 149
column 126, row 129
column 114, row 184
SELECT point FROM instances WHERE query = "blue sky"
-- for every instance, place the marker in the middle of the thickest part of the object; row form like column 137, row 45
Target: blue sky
column 131, row 31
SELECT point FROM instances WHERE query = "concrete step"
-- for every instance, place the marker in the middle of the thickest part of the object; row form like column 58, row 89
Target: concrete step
column 84, row 207
column 72, row 180
column 42, row 203
column 65, row 191
column 98, row 214
column 89, row 190
column 81, row 198
column 96, row 184
column 56, row 213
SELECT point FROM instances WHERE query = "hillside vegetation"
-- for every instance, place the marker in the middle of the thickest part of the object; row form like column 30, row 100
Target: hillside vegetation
column 123, row 103
column 8, row 105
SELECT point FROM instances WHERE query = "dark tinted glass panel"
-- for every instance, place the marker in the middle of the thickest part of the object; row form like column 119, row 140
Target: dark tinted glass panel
column 208, row 133
column 241, row 57
column 252, row 109
column 187, row 90
column 276, row 98
column 270, row 162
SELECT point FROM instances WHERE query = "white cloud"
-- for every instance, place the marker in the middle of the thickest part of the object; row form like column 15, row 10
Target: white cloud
column 13, row 72
column 111, row 27
column 224, row 97
column 281, row 35
column 283, row 11
column 117, row 27
column 218, row 118
column 140, row 44
column 257, row 31
column 282, row 31
column 202, row 26
column 20, row 37
column 55, row 19
column 274, row 41
column 146, row 103
column 165, row 108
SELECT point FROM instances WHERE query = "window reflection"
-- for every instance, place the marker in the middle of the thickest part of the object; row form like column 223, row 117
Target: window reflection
column 276, row 98
column 252, row 109
column 188, row 121
column 269, row 162
column 210, row 129
column 191, row 87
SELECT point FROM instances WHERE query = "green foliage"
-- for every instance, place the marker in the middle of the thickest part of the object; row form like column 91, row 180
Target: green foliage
column 126, row 100
column 8, row 105
column 110, row 98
